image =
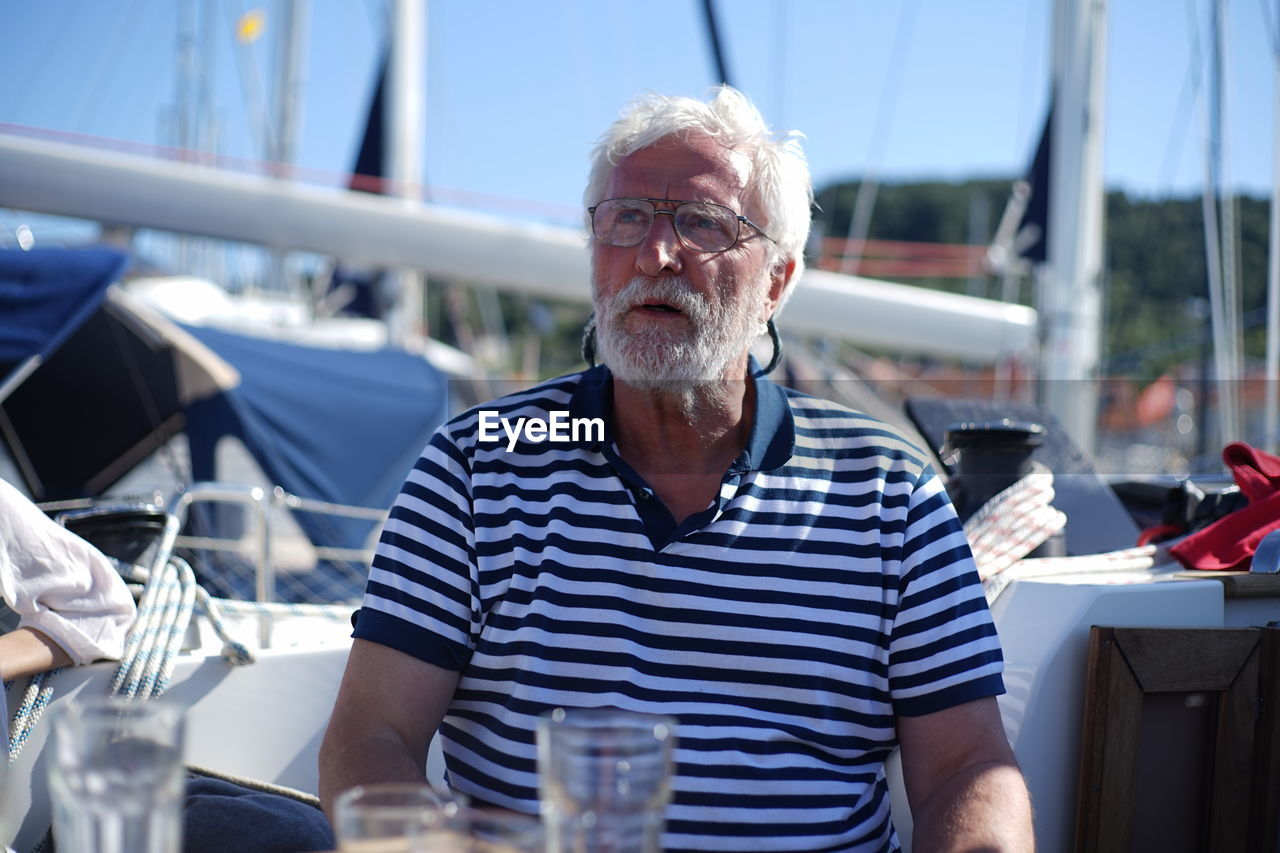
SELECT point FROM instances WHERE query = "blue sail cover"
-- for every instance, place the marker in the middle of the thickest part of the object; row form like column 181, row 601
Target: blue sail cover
column 338, row 426
column 335, row 425
column 46, row 294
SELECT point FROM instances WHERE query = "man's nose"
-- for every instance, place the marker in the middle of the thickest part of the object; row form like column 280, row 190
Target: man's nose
column 659, row 251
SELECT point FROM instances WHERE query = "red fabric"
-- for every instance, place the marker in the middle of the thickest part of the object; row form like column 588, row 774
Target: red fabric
column 1256, row 472
column 1229, row 543
column 1159, row 532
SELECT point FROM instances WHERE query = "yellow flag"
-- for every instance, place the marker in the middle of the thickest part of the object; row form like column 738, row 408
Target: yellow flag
column 250, row 26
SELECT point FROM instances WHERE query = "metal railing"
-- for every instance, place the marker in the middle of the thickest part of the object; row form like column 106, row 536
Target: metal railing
column 215, row 552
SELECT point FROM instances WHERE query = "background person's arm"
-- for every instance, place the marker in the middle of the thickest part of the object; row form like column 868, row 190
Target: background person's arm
column 963, row 784
column 26, row 651
column 59, row 584
column 389, row 706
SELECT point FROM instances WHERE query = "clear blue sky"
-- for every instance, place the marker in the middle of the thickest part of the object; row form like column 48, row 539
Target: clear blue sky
column 517, row 91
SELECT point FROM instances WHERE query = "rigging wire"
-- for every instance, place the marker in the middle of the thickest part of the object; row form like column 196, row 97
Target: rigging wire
column 1173, row 147
column 1230, row 237
column 102, row 73
column 1218, row 244
column 1028, row 74
column 1269, row 28
column 261, row 135
column 869, row 186
column 44, row 55
column 1231, row 258
column 107, row 88
column 1187, row 98
column 1175, row 142
column 713, row 35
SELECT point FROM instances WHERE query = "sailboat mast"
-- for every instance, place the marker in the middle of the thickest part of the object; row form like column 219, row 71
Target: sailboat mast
column 283, row 132
column 405, row 122
column 290, row 81
column 1070, row 293
column 1220, row 251
column 1271, row 434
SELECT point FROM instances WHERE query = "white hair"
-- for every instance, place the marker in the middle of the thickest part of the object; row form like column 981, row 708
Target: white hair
column 778, row 184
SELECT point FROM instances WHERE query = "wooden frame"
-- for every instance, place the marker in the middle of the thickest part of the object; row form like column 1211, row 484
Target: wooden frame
column 1228, row 679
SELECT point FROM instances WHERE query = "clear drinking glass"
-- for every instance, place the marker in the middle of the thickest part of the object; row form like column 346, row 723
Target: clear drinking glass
column 116, row 776
column 390, row 817
column 605, row 778
column 485, row 830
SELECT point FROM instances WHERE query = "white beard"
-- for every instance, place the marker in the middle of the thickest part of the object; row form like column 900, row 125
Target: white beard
column 657, row 358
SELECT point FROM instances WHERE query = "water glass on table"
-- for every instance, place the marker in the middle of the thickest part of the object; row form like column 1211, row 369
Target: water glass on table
column 116, row 775
column 487, row 830
column 605, row 779
column 389, row 817
column 415, row 818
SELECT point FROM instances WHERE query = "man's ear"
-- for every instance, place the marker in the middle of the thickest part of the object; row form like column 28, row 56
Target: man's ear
column 779, row 278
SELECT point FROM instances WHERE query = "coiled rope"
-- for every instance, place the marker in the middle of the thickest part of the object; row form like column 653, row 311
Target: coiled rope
column 1014, row 523
column 34, row 700
column 1019, row 519
column 167, row 597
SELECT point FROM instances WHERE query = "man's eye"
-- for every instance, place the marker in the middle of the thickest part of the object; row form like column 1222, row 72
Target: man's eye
column 703, row 221
column 630, row 217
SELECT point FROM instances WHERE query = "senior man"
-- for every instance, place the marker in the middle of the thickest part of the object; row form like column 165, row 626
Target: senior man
column 784, row 576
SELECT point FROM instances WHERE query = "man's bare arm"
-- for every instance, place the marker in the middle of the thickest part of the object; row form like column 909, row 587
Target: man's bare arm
column 387, row 710
column 962, row 781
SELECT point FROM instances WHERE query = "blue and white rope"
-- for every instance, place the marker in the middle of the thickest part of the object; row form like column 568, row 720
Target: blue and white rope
column 164, row 611
column 34, row 700
column 233, row 651
column 166, row 601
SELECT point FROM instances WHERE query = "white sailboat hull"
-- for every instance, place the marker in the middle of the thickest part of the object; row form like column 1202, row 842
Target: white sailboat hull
column 262, row 721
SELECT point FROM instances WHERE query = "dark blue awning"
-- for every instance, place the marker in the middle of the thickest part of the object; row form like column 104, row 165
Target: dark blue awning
column 335, row 425
column 46, row 294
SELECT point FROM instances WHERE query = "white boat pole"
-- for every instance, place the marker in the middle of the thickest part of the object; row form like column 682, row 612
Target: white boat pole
column 289, row 83
column 44, row 176
column 1271, row 434
column 404, row 120
column 1070, row 295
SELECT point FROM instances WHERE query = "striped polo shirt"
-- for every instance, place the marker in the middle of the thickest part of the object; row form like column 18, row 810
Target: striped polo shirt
column 826, row 590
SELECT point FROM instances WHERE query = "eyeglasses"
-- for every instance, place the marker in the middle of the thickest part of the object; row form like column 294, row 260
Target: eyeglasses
column 700, row 225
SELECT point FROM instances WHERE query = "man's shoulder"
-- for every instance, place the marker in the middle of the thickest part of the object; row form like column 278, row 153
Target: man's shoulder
column 547, row 396
column 549, row 402
column 826, row 427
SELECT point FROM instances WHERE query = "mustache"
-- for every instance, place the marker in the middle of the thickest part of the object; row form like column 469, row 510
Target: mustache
column 676, row 292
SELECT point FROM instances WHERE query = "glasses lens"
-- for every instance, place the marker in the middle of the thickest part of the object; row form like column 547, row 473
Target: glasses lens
column 622, row 221
column 703, row 226
column 707, row 227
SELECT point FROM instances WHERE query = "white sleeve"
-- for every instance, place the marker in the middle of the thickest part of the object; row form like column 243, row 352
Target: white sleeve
column 59, row 584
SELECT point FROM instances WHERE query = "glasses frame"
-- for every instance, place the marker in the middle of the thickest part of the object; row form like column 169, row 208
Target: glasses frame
column 654, row 202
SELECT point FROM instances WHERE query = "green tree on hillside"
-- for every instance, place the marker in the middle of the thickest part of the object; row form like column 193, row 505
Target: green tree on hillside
column 1155, row 286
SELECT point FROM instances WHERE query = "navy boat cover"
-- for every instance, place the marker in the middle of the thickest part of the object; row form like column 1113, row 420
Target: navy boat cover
column 46, row 294
column 339, row 426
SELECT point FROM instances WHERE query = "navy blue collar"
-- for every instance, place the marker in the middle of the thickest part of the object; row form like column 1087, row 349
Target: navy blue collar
column 772, row 440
